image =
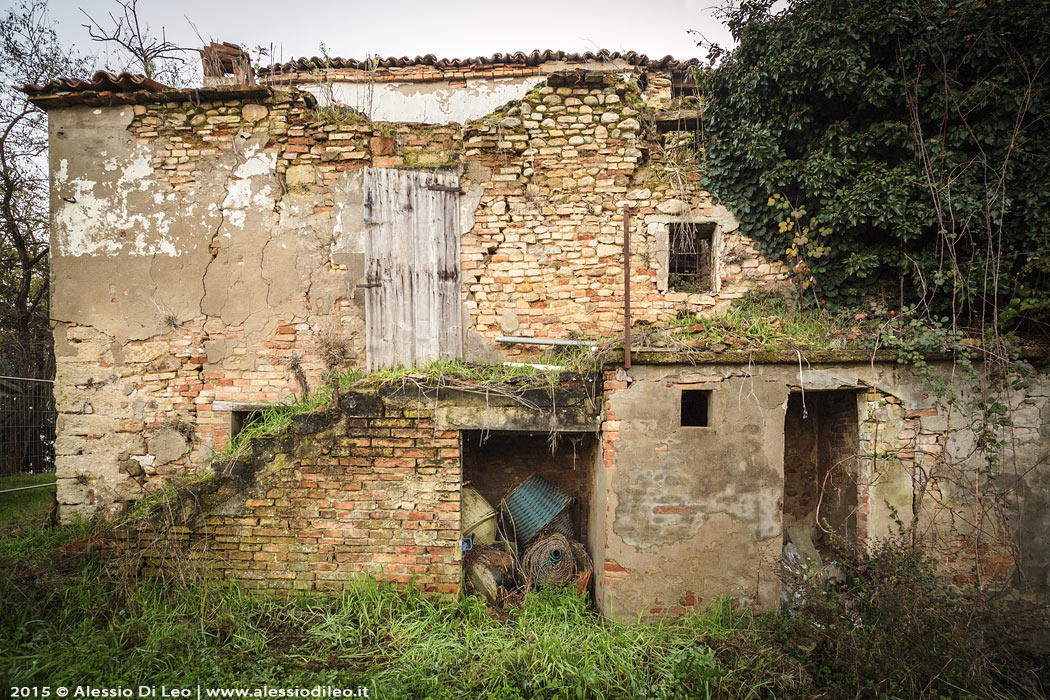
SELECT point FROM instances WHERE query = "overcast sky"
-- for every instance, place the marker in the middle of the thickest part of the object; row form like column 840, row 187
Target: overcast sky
column 446, row 28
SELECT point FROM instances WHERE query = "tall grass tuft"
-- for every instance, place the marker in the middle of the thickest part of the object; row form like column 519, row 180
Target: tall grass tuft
column 68, row 621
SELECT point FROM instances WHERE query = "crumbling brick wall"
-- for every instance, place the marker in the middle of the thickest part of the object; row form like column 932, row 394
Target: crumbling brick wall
column 200, row 263
column 923, row 474
column 370, row 490
column 556, row 171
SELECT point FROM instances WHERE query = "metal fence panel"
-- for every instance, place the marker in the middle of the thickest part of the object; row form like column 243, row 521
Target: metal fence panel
column 27, row 425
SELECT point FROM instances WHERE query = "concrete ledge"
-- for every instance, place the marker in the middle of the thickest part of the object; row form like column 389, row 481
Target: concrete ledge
column 662, row 356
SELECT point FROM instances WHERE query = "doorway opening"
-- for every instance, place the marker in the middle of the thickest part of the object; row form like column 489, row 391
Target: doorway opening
column 525, row 511
column 821, row 444
column 497, row 463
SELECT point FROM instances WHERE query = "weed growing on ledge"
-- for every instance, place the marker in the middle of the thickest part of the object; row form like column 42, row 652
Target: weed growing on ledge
column 497, row 378
column 456, row 372
column 769, row 320
column 759, row 320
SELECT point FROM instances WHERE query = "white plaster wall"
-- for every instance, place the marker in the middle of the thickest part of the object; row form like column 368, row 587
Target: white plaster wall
column 118, row 207
column 428, row 103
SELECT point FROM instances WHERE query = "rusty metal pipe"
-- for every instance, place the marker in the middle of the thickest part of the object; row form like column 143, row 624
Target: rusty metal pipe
column 626, row 288
column 545, row 341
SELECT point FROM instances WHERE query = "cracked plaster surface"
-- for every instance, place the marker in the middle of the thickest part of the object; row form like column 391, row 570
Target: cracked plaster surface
column 130, row 252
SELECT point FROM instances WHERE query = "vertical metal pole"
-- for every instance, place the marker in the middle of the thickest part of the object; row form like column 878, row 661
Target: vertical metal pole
column 626, row 288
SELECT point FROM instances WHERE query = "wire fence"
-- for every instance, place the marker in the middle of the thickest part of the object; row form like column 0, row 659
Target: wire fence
column 27, row 425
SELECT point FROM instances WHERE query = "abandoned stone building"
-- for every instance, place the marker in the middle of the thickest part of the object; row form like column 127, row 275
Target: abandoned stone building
column 209, row 244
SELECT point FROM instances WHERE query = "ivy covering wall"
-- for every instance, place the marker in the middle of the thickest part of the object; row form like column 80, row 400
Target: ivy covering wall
column 891, row 146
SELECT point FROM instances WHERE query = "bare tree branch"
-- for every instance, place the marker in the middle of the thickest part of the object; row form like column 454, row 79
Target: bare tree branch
column 29, row 53
column 147, row 51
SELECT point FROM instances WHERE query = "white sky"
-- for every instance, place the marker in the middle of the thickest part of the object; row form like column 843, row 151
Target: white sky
column 446, row 28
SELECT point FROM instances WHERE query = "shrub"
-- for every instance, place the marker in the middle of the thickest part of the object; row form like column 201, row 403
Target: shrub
column 891, row 627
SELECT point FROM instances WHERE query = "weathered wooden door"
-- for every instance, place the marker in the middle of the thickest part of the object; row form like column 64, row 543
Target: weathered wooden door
column 413, row 313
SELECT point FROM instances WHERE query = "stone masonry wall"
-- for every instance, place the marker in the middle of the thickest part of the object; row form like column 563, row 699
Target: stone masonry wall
column 204, row 253
column 373, row 490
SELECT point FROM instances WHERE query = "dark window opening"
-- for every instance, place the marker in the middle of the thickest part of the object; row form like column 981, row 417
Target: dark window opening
column 242, row 420
column 695, row 407
column 689, row 257
column 684, row 85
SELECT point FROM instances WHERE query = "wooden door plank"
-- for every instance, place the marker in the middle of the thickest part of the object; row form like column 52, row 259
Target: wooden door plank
column 413, row 315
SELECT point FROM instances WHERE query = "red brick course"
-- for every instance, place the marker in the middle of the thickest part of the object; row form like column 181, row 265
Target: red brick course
column 328, row 507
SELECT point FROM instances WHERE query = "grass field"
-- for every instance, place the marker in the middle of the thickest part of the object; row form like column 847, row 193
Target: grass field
column 67, row 618
column 23, row 509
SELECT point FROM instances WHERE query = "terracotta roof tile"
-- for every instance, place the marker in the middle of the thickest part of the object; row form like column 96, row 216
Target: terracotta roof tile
column 100, row 82
column 519, row 58
column 128, row 88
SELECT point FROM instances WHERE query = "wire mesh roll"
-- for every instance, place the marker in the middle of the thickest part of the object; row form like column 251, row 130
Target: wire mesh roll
column 553, row 559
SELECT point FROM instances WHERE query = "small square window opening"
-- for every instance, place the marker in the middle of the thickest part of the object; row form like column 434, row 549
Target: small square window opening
column 241, row 420
column 684, row 85
column 689, row 257
column 696, row 404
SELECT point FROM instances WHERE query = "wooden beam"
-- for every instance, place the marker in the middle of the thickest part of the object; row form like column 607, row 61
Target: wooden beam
column 678, row 120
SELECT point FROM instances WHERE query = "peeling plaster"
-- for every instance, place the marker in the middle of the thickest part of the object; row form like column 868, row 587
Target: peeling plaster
column 95, row 213
column 430, row 103
column 256, row 162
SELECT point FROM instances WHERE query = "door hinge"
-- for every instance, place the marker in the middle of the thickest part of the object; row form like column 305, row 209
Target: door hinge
column 446, row 188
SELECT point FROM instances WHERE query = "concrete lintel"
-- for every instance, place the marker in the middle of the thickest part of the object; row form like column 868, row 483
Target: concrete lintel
column 239, row 406
column 658, row 356
column 662, row 356
column 514, row 419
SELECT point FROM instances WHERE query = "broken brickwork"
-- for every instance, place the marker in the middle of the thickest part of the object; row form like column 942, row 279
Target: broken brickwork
column 205, row 247
column 373, row 489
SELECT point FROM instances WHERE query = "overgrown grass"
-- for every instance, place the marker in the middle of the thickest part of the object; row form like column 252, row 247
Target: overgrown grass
column 69, row 621
column 766, row 321
column 452, row 372
column 35, row 545
column 80, row 625
column 22, row 509
column 769, row 320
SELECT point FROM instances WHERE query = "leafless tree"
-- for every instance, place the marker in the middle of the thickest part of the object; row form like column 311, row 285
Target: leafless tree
column 154, row 55
column 29, row 53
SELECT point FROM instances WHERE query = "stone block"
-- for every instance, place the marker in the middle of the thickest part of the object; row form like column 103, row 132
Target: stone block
column 300, row 178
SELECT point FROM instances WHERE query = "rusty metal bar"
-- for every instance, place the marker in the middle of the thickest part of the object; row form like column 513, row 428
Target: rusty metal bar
column 626, row 288
column 445, row 188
